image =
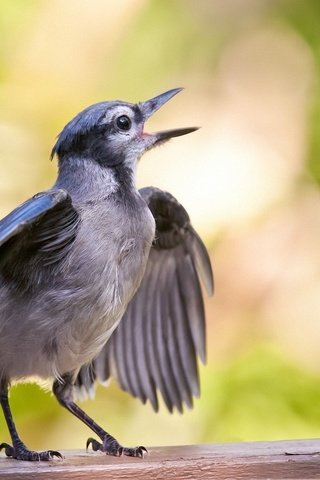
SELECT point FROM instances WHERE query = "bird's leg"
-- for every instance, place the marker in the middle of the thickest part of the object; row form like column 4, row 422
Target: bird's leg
column 18, row 450
column 109, row 445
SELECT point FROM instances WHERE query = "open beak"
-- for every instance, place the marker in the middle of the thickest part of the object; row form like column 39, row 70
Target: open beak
column 149, row 107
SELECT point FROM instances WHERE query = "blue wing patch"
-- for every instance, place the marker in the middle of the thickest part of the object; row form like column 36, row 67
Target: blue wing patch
column 30, row 212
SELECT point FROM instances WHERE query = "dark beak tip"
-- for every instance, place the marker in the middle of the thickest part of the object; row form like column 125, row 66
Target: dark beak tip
column 193, row 129
column 185, row 131
column 149, row 107
column 178, row 132
column 176, row 90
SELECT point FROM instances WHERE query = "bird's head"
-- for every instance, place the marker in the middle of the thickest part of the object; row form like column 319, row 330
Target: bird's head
column 112, row 133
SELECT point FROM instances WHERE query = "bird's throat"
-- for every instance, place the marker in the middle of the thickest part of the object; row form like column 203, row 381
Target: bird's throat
column 86, row 180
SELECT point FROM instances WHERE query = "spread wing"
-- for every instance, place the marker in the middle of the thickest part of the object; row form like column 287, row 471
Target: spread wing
column 42, row 227
column 156, row 345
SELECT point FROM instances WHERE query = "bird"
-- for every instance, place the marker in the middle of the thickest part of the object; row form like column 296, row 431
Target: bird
column 100, row 280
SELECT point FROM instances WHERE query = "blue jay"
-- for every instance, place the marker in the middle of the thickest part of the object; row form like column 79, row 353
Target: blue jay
column 99, row 279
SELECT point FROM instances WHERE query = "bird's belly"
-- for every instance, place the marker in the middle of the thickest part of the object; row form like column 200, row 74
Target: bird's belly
column 95, row 316
column 69, row 326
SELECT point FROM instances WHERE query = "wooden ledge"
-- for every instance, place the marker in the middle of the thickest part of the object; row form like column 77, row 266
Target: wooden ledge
column 256, row 460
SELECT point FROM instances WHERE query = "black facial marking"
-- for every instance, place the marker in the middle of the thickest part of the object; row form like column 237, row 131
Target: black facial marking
column 138, row 117
column 87, row 128
column 88, row 134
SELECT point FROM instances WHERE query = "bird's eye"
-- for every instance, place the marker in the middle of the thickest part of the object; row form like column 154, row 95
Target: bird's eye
column 123, row 122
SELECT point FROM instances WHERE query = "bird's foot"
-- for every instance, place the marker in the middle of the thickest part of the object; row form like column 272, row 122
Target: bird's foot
column 110, row 446
column 20, row 452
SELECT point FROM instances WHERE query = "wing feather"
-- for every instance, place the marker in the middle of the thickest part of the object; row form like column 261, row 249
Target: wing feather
column 162, row 333
column 38, row 233
column 137, row 317
column 30, row 212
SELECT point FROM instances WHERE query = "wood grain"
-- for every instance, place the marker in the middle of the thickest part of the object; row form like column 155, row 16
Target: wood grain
column 256, row 460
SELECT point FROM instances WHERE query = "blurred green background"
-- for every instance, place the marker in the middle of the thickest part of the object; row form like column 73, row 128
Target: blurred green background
column 249, row 178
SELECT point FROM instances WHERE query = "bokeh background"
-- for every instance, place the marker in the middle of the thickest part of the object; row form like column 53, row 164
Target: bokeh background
column 249, row 178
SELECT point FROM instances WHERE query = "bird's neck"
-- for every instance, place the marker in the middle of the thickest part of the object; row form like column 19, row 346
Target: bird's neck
column 86, row 180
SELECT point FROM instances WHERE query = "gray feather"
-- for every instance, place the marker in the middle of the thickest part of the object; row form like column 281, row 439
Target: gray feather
column 162, row 332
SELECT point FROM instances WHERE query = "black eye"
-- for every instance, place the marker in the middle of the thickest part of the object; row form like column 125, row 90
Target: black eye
column 123, row 122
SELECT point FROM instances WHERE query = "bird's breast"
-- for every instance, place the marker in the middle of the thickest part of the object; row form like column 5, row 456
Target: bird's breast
column 107, row 264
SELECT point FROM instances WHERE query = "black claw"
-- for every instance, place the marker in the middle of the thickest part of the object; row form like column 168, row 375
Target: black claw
column 95, row 445
column 135, row 452
column 8, row 450
column 89, row 441
column 54, row 453
column 110, row 446
column 22, row 453
column 301, row 453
